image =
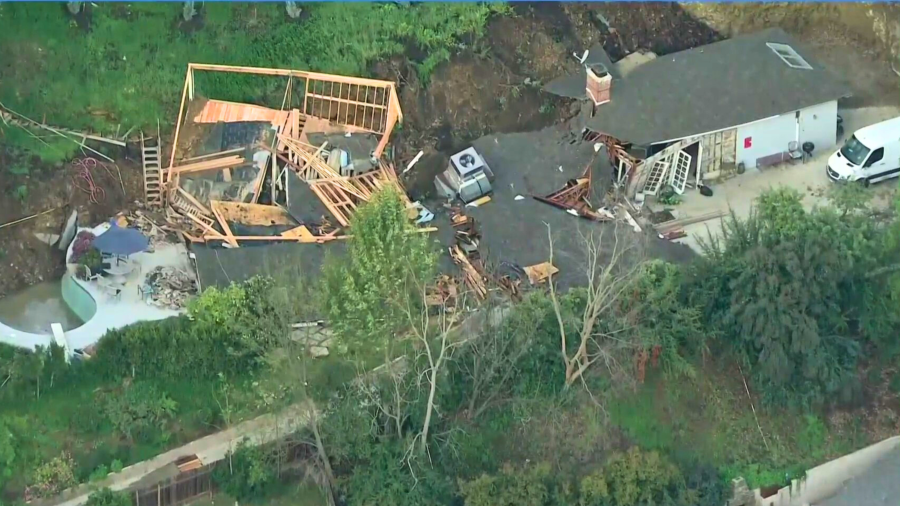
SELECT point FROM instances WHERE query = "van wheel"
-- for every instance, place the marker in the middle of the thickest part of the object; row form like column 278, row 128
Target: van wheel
column 865, row 182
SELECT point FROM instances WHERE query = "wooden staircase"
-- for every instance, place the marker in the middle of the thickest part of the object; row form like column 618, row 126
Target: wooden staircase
column 150, row 153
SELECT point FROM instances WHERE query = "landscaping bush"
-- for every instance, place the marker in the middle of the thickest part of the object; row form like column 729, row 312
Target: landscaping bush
column 784, row 288
column 140, row 412
column 82, row 244
column 106, row 497
column 528, row 486
column 634, row 478
column 247, row 473
column 53, row 477
column 227, row 331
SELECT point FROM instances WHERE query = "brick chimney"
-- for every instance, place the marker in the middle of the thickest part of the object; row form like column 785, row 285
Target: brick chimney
column 599, row 83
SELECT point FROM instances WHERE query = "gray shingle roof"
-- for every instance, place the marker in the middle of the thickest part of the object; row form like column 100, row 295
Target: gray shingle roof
column 573, row 86
column 711, row 88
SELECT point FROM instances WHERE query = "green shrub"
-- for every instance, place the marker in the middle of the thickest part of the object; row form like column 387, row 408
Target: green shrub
column 529, row 486
column 92, row 259
column 9, row 452
column 391, row 477
column 633, row 478
column 140, row 412
column 226, row 332
column 53, row 477
column 785, row 288
column 106, row 497
column 247, row 473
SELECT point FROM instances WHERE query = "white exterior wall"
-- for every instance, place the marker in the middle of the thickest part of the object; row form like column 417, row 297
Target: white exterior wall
column 766, row 138
column 818, row 124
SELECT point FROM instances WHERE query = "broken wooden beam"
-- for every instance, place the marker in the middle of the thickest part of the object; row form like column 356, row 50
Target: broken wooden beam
column 217, row 164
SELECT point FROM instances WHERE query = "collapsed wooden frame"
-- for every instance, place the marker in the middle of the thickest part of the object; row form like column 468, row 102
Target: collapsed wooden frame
column 346, row 103
column 362, row 104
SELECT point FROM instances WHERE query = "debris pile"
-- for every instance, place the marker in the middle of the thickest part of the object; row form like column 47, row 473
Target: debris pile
column 443, row 293
column 169, row 287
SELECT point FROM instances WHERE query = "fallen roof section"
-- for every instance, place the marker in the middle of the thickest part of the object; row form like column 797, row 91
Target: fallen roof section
column 515, row 232
column 711, row 88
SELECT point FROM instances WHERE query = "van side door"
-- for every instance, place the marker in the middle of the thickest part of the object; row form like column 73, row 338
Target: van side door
column 874, row 165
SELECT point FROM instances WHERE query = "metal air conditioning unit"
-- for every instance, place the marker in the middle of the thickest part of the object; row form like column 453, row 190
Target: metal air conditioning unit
column 467, row 177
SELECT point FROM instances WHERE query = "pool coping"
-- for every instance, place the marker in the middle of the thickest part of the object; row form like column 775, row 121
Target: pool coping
column 110, row 313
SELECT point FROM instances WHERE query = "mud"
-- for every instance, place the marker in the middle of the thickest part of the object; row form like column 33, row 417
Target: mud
column 24, row 260
column 493, row 85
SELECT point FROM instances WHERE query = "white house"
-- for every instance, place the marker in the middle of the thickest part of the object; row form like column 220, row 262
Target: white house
column 749, row 101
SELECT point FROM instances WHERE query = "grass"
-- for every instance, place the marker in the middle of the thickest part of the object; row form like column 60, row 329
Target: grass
column 708, row 419
column 51, row 149
column 68, row 416
column 128, row 69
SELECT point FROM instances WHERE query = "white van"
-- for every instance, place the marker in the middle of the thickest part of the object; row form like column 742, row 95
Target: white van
column 870, row 155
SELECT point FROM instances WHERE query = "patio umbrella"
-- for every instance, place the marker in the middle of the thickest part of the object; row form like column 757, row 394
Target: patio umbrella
column 121, row 241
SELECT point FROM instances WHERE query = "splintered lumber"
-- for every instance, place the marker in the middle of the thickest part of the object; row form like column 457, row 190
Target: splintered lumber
column 301, row 233
column 471, row 276
column 690, row 220
column 541, row 272
column 213, row 155
column 229, row 236
column 252, row 214
column 217, row 164
column 193, row 201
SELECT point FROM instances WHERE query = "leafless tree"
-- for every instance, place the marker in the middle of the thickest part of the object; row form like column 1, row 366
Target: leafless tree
column 436, row 338
column 493, row 352
column 612, row 264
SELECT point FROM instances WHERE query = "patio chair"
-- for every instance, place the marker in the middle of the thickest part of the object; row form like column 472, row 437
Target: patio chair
column 112, row 290
column 794, row 152
column 88, row 275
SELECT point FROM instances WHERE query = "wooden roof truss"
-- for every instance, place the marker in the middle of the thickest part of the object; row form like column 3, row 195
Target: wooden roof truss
column 361, row 104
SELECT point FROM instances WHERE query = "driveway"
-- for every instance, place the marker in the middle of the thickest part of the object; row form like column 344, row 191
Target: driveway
column 740, row 192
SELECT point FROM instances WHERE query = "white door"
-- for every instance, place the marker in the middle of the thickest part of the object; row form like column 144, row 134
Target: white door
column 680, row 171
column 656, row 177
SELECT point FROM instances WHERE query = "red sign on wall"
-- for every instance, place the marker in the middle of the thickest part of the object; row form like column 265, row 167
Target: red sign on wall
column 748, row 142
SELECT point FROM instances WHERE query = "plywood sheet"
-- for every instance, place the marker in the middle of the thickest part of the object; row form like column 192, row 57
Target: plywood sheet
column 252, row 214
column 232, row 112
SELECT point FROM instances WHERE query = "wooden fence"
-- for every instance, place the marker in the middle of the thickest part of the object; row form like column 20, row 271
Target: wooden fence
column 187, row 487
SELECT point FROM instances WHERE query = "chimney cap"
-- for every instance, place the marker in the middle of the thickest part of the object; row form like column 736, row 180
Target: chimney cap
column 598, row 69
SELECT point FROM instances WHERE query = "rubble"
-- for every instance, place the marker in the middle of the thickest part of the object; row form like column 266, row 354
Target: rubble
column 169, row 287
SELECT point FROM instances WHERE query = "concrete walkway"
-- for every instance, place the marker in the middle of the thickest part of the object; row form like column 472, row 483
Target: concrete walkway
column 740, row 192
column 209, row 449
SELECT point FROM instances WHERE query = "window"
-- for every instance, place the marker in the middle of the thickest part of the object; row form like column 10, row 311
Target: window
column 789, row 56
column 876, row 156
column 854, row 151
